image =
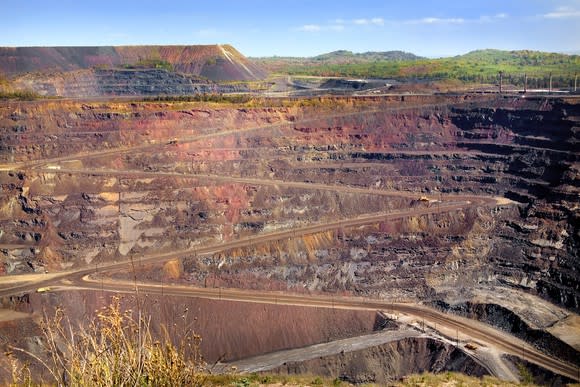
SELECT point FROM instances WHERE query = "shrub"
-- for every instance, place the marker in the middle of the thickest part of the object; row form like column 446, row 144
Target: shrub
column 117, row 349
column 21, row 95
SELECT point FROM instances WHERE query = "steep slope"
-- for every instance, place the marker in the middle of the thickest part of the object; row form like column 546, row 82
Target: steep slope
column 215, row 62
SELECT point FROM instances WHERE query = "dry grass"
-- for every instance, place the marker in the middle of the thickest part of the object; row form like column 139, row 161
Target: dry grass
column 454, row 379
column 117, row 349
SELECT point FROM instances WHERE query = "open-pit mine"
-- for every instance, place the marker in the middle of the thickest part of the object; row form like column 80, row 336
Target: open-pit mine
column 362, row 238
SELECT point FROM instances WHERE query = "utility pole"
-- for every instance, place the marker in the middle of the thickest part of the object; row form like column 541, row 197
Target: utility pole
column 500, row 81
column 575, row 81
column 525, row 83
column 550, row 87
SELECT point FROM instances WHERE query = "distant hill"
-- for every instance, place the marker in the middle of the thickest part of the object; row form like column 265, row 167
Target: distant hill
column 214, row 62
column 519, row 57
column 480, row 66
column 344, row 55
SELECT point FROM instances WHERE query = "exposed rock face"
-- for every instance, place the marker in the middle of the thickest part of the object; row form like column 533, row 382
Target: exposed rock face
column 539, row 375
column 179, row 190
column 215, row 62
column 509, row 321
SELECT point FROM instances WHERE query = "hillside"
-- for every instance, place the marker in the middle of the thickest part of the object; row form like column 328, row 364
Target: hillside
column 481, row 66
column 342, row 56
column 319, row 64
column 214, row 62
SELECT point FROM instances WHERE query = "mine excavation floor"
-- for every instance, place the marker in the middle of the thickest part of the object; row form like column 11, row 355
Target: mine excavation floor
column 126, row 168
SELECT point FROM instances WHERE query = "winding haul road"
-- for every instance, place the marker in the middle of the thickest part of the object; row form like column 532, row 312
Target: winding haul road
column 238, row 243
column 80, row 278
column 475, row 330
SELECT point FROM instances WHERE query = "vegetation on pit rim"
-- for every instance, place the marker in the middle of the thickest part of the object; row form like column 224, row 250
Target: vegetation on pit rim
column 150, row 64
column 251, row 101
column 447, row 379
column 20, row 95
column 246, row 100
column 203, row 97
column 480, row 66
column 454, row 379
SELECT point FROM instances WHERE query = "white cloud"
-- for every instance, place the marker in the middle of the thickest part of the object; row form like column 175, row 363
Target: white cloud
column 341, row 24
column 207, row 32
column 491, row 19
column 436, row 20
column 310, row 28
column 562, row 13
column 379, row 21
column 456, row 20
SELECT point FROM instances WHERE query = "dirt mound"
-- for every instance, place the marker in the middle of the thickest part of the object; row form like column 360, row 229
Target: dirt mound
column 214, row 62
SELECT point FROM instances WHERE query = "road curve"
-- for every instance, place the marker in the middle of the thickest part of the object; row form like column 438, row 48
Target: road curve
column 468, row 199
column 477, row 330
column 239, row 243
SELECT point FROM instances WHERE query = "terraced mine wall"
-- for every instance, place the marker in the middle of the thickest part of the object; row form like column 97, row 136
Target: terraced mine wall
column 121, row 82
column 115, row 180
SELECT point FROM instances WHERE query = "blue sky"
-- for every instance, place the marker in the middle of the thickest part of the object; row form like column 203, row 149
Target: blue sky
column 298, row 27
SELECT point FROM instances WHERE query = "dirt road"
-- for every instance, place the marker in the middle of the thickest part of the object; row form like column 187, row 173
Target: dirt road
column 238, row 243
column 477, row 331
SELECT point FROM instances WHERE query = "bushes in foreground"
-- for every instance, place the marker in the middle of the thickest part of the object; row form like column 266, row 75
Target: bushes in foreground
column 117, row 349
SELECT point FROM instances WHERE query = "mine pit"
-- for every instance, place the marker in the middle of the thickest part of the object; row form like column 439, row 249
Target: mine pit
column 460, row 203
